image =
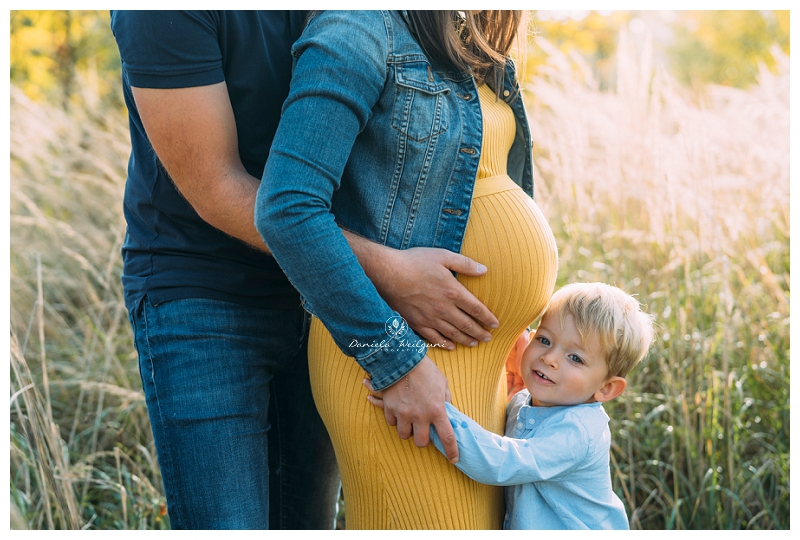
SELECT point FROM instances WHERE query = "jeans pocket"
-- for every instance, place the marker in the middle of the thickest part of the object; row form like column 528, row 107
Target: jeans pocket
column 132, row 320
column 136, row 316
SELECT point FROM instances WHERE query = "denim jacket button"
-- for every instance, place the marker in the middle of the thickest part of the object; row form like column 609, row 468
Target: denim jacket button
column 465, row 97
column 506, row 93
column 470, row 151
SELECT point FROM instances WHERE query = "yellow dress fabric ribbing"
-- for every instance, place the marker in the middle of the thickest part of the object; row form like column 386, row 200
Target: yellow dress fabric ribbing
column 389, row 483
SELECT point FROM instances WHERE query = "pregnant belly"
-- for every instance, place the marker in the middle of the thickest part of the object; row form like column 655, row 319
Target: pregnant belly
column 508, row 233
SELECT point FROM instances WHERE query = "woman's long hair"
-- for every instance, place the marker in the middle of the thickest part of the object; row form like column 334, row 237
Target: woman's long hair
column 479, row 41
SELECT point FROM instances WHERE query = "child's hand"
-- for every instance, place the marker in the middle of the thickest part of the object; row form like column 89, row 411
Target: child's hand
column 374, row 397
column 514, row 381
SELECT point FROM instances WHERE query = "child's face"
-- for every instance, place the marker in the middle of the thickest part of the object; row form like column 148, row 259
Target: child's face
column 559, row 368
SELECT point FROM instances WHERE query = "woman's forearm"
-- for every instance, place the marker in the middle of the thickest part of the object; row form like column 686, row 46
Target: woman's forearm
column 334, row 88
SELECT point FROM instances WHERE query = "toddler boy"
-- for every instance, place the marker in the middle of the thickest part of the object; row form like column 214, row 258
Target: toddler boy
column 554, row 459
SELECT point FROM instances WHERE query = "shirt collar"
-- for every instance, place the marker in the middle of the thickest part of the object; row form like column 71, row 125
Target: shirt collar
column 540, row 413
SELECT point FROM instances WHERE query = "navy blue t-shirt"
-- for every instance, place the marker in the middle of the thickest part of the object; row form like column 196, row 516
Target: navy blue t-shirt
column 169, row 251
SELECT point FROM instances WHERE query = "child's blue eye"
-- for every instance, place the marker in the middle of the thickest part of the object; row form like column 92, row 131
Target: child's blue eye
column 575, row 358
column 544, row 341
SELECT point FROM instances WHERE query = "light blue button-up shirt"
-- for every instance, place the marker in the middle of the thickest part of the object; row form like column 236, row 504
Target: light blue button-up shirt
column 554, row 462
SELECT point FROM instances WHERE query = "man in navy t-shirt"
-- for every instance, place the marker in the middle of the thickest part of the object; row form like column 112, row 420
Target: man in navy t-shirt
column 219, row 330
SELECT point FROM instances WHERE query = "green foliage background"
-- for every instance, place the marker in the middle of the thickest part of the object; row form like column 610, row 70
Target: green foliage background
column 64, row 56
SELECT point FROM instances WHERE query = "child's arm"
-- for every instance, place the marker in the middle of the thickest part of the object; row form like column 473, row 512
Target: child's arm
column 491, row 459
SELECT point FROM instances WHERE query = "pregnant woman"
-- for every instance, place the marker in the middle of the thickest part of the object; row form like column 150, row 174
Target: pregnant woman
column 406, row 128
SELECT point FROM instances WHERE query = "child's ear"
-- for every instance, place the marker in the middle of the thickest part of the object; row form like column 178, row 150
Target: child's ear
column 613, row 387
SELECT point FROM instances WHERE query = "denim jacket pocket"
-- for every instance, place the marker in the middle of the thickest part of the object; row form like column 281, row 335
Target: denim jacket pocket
column 420, row 110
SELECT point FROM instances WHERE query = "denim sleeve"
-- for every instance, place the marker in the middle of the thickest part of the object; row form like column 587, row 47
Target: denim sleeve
column 491, row 459
column 339, row 74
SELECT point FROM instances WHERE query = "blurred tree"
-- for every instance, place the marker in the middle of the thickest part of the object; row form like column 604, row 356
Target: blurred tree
column 62, row 56
column 725, row 47
column 591, row 34
column 721, row 47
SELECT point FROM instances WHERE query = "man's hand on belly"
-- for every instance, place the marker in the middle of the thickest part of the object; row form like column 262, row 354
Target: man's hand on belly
column 418, row 283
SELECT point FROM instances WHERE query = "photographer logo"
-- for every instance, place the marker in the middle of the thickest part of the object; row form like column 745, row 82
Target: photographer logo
column 396, row 327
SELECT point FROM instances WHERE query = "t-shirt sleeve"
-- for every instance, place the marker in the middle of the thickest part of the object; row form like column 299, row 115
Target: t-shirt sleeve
column 168, row 49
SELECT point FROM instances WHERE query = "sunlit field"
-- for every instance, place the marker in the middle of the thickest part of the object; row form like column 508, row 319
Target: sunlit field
column 684, row 201
column 680, row 198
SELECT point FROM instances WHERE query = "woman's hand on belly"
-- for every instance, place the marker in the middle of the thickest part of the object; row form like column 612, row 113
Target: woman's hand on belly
column 418, row 283
column 416, row 402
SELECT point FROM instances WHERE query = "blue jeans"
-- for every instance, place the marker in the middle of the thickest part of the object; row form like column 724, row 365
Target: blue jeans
column 232, row 415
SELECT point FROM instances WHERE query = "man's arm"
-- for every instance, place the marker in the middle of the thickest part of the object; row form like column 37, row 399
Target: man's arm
column 193, row 132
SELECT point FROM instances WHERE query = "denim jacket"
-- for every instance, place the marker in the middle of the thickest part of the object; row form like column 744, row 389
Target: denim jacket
column 373, row 139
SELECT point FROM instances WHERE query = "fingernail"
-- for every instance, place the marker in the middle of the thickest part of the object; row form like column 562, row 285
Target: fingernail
column 494, row 325
column 481, row 268
column 454, row 461
column 474, row 343
column 451, row 347
column 487, row 338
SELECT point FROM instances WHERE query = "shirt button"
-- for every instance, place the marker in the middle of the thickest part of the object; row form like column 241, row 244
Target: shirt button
column 519, row 425
column 531, row 421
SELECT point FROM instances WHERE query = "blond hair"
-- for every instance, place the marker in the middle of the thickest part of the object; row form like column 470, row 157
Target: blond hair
column 624, row 331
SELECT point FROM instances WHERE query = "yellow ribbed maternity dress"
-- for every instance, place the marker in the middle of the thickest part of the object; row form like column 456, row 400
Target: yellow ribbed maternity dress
column 389, row 483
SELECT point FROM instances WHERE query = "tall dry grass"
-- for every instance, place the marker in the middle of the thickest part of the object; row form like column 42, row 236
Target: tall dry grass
column 680, row 199
column 81, row 451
